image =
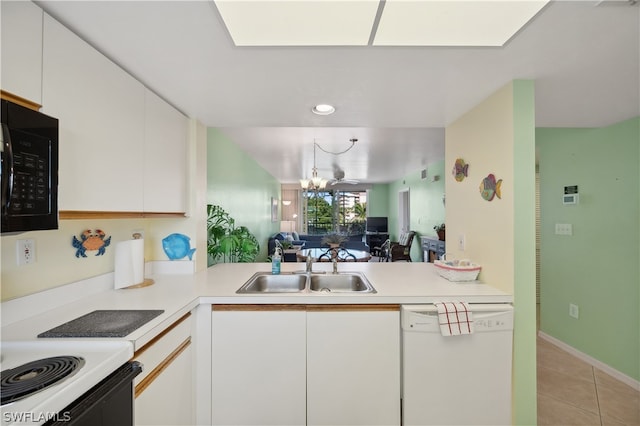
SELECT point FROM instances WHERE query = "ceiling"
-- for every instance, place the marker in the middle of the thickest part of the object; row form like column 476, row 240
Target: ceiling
column 583, row 55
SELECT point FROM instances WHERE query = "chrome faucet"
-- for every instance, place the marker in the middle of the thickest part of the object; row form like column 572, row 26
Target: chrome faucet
column 309, row 263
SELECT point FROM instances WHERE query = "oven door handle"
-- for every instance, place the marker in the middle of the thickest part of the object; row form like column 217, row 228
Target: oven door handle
column 113, row 395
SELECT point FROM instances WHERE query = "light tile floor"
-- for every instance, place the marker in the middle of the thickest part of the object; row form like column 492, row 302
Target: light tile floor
column 572, row 392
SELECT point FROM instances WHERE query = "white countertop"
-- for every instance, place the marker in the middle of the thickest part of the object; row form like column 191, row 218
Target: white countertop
column 397, row 283
column 177, row 294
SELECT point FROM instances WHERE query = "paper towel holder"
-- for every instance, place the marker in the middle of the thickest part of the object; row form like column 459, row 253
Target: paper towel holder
column 146, row 281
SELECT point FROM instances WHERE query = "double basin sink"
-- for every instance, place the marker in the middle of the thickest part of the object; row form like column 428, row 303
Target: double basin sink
column 343, row 282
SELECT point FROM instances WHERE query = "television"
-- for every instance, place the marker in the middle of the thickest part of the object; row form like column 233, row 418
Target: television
column 377, row 225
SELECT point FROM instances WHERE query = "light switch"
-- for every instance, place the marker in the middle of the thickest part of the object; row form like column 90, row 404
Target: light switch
column 564, row 229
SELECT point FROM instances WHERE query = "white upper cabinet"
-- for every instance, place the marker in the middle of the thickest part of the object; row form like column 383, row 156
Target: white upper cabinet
column 22, row 49
column 101, row 113
column 165, row 156
column 122, row 147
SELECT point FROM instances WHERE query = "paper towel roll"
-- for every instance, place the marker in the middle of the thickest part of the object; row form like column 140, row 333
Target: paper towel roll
column 129, row 263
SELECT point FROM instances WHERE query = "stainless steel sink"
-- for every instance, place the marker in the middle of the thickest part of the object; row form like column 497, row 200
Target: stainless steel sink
column 267, row 283
column 343, row 282
column 340, row 283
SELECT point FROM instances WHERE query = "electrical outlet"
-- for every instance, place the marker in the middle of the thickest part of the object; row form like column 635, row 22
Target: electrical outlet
column 461, row 242
column 574, row 311
column 25, row 251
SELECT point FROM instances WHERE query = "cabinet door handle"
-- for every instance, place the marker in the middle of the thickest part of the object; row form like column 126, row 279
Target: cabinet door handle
column 153, row 375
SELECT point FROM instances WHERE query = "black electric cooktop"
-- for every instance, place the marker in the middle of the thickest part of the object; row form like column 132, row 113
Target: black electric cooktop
column 104, row 323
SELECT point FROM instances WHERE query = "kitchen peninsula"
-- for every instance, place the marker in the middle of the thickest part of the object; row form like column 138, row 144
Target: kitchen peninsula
column 200, row 297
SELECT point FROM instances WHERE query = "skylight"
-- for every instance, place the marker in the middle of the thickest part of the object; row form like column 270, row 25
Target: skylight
column 351, row 22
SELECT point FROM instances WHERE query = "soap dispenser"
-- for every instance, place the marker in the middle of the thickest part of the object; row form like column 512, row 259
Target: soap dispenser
column 275, row 261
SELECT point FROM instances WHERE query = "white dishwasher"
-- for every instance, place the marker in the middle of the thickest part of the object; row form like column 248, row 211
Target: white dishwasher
column 457, row 380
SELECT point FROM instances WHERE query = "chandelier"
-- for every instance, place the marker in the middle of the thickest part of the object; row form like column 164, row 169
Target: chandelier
column 316, row 183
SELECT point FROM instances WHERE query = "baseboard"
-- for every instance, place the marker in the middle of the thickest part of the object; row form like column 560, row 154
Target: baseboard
column 635, row 384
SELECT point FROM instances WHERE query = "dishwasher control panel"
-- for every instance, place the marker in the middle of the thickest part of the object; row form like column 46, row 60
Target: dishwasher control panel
column 486, row 318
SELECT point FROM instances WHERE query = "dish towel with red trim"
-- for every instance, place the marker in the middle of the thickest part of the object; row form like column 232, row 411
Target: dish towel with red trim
column 455, row 318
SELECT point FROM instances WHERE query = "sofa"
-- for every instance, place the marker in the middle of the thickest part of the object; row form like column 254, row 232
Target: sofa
column 282, row 236
column 354, row 242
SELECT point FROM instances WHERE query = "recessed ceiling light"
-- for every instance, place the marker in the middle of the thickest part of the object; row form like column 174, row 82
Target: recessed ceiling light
column 323, row 109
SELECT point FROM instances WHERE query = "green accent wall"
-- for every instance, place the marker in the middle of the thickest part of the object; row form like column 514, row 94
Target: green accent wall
column 243, row 188
column 426, row 208
column 597, row 267
column 378, row 200
column 524, row 254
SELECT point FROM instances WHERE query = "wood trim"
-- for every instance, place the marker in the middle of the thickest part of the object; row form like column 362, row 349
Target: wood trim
column 161, row 335
column 264, row 308
column 310, row 308
column 20, row 100
column 353, row 307
column 80, row 214
column 151, row 377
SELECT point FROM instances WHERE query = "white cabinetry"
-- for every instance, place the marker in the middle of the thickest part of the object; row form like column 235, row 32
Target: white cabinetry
column 316, row 365
column 165, row 156
column 22, row 49
column 101, row 113
column 353, row 367
column 258, row 366
column 122, row 148
column 164, row 390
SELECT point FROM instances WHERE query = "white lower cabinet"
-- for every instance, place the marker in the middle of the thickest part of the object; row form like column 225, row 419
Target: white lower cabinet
column 297, row 365
column 164, row 390
column 258, row 367
column 353, row 367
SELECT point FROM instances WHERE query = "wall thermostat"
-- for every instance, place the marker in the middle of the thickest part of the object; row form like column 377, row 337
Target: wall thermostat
column 570, row 195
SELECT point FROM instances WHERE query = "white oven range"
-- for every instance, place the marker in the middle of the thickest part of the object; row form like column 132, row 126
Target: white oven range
column 101, row 358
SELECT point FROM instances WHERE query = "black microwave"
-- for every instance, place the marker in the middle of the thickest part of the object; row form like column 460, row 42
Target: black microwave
column 29, row 148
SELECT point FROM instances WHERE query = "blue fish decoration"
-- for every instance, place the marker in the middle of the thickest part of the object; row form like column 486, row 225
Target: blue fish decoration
column 177, row 246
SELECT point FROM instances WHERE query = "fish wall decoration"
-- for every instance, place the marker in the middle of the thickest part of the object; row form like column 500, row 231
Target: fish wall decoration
column 490, row 188
column 177, row 246
column 460, row 170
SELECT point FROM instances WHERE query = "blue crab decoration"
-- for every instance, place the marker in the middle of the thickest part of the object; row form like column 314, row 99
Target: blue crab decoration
column 91, row 240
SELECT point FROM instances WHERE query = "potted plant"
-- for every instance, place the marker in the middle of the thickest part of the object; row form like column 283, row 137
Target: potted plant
column 225, row 241
column 333, row 239
column 440, row 230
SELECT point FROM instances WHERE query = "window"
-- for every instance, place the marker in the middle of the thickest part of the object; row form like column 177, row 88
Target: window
column 335, row 211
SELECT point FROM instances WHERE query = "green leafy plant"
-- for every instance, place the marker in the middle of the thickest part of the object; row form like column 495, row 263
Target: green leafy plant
column 227, row 243
column 286, row 245
column 333, row 239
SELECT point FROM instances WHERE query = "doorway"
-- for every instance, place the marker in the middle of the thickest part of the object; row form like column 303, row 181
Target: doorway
column 404, row 219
